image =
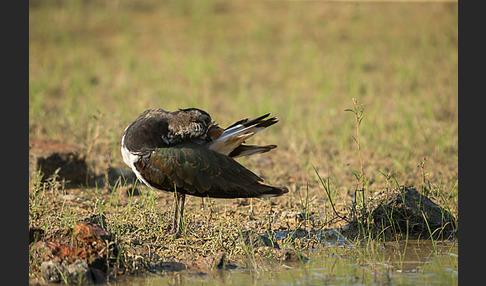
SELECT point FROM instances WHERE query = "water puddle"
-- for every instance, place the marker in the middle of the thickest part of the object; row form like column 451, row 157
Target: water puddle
column 404, row 262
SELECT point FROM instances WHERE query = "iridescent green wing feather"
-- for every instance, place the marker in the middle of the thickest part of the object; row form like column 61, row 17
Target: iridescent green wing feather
column 194, row 169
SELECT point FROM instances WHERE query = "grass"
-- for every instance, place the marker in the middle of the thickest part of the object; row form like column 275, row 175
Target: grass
column 94, row 66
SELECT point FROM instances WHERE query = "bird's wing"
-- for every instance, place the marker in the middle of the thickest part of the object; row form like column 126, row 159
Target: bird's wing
column 229, row 141
column 195, row 170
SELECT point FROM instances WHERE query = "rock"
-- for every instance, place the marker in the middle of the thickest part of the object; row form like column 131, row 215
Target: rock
column 111, row 177
column 81, row 254
column 213, row 262
column 94, row 226
column 217, row 261
column 170, row 266
column 98, row 276
column 121, row 176
column 78, row 273
column 405, row 210
column 91, row 235
column 48, row 156
column 52, row 272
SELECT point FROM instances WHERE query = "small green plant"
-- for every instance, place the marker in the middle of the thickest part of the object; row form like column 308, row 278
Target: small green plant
column 361, row 216
column 61, row 273
column 424, row 174
column 388, row 178
column 305, row 203
column 327, row 189
column 248, row 248
column 358, row 111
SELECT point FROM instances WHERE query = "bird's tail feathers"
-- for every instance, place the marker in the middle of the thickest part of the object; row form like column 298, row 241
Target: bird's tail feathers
column 274, row 192
column 231, row 139
column 246, row 150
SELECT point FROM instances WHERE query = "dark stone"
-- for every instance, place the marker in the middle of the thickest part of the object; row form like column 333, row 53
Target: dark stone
column 52, row 272
column 78, row 273
column 111, row 177
column 405, row 211
column 121, row 176
column 98, row 276
column 48, row 156
column 170, row 266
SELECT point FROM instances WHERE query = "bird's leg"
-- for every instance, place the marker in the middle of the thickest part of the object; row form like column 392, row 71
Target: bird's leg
column 178, row 213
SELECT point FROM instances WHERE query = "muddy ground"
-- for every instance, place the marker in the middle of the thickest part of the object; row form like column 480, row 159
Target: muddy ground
column 110, row 226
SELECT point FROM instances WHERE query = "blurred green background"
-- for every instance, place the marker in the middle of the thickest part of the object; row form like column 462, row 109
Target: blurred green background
column 95, row 65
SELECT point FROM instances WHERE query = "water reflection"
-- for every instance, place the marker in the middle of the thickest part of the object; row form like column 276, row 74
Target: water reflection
column 403, row 262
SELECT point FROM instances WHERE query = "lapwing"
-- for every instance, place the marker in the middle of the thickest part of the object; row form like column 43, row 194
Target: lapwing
column 186, row 153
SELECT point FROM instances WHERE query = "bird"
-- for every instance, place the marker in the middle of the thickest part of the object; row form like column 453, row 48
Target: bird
column 185, row 152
